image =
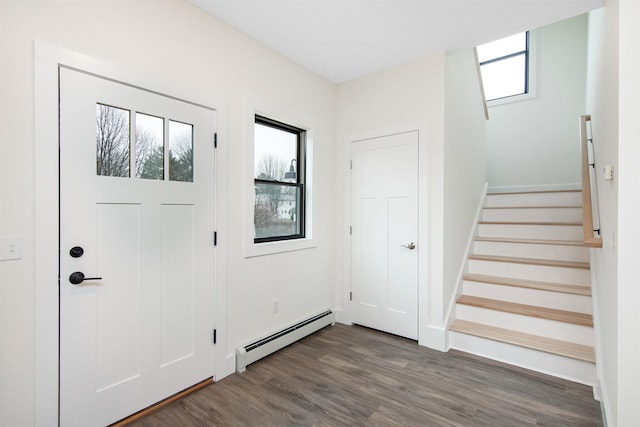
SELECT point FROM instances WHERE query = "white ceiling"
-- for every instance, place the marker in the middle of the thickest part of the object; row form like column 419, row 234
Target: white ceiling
column 345, row 39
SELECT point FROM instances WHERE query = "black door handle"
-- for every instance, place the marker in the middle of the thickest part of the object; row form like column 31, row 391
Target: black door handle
column 78, row 277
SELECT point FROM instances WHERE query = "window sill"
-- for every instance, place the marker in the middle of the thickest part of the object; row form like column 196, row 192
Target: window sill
column 252, row 249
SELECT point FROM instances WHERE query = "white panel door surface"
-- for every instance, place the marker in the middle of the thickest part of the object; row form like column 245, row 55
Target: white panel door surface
column 384, row 185
column 137, row 196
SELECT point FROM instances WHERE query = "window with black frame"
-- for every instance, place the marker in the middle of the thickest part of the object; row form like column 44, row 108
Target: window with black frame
column 279, row 165
column 504, row 65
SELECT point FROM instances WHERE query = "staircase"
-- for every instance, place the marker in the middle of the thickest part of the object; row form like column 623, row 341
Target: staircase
column 526, row 299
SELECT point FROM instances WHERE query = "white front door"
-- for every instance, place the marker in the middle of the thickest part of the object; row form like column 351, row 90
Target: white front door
column 384, row 183
column 137, row 220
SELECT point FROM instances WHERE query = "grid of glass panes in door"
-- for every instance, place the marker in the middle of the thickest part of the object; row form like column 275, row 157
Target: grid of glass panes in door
column 131, row 143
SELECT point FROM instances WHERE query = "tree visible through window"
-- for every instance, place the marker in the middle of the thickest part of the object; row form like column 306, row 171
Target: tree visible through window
column 113, row 146
column 505, row 66
column 279, row 181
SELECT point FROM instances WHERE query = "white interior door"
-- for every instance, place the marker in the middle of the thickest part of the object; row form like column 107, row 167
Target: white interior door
column 384, row 183
column 137, row 219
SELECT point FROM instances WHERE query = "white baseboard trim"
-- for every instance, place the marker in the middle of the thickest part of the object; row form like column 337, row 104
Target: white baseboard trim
column 342, row 316
column 543, row 187
column 434, row 337
column 229, row 367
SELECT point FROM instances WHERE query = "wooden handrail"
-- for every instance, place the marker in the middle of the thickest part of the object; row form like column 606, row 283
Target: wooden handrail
column 590, row 240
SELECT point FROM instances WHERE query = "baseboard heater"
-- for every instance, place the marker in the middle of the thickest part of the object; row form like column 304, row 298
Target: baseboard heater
column 247, row 354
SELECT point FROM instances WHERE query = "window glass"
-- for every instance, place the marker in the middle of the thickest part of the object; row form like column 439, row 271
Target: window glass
column 502, row 47
column 149, row 146
column 279, row 181
column 504, row 78
column 180, row 151
column 275, row 149
column 504, row 66
column 112, row 141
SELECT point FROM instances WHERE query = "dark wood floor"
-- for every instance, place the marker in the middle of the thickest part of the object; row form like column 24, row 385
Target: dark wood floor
column 353, row 376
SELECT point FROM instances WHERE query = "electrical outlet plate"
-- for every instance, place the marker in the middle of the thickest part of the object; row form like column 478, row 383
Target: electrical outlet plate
column 10, row 248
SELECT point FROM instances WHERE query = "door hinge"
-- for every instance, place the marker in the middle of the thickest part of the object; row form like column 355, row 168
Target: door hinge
column 350, row 296
column 350, row 230
column 215, row 140
column 215, row 238
column 350, row 164
column 215, row 336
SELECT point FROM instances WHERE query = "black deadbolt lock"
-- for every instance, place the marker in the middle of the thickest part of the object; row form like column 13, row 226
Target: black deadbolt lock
column 76, row 252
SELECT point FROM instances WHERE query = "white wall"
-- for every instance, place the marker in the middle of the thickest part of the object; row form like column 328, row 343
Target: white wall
column 628, row 241
column 411, row 94
column 443, row 92
column 602, row 105
column 533, row 143
column 612, row 100
column 464, row 163
column 183, row 51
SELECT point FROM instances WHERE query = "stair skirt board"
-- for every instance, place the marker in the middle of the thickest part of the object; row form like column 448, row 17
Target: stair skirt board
column 547, row 363
column 249, row 353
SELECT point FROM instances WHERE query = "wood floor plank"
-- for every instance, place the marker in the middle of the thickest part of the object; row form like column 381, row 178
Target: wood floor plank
column 583, row 319
column 354, row 376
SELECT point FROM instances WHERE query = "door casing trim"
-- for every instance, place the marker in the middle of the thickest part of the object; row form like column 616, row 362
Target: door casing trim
column 345, row 315
column 47, row 60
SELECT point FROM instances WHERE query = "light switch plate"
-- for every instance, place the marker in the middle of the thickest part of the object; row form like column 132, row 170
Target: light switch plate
column 10, row 248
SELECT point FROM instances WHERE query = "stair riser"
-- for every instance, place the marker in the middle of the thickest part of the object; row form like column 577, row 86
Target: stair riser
column 556, row 232
column 529, row 250
column 559, row 366
column 535, row 199
column 533, row 215
column 541, row 273
column 540, row 298
column 531, row 325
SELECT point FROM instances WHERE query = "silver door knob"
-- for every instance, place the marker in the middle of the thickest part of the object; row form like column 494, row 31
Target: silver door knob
column 410, row 246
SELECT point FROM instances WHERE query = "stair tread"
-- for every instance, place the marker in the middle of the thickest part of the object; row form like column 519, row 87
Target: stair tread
column 583, row 319
column 531, row 241
column 531, row 261
column 545, row 223
column 531, row 284
column 497, row 193
column 548, row 345
column 534, row 207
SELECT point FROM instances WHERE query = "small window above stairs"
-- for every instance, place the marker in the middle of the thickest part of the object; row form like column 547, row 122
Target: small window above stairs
column 526, row 296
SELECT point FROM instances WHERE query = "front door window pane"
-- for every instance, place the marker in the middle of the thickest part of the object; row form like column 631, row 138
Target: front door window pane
column 149, row 146
column 112, row 141
column 180, row 151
